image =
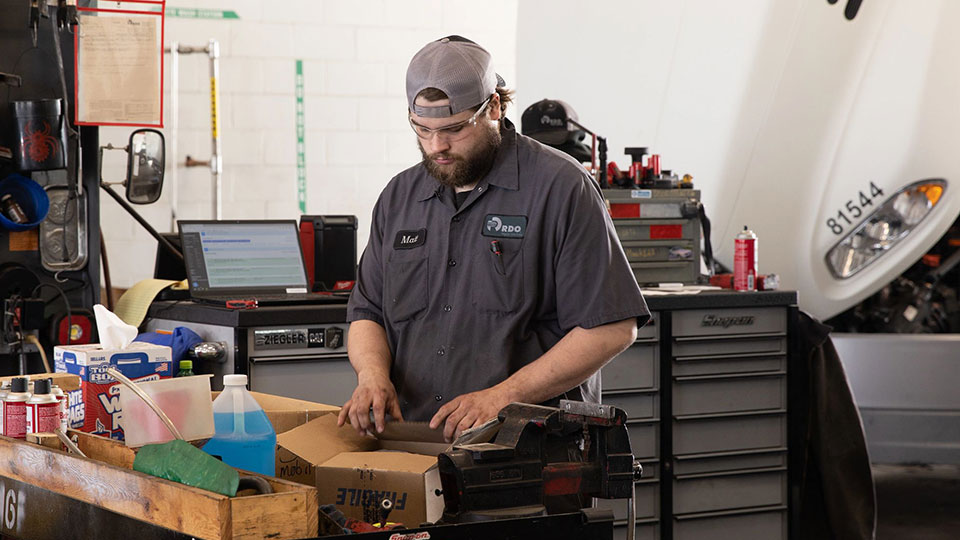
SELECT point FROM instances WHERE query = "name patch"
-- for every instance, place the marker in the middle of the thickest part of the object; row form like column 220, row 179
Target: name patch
column 410, row 239
column 504, row 226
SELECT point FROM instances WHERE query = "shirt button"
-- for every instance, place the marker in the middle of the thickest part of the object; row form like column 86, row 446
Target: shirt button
column 447, row 308
column 438, row 397
column 440, row 351
column 456, row 219
column 451, row 262
column 480, row 189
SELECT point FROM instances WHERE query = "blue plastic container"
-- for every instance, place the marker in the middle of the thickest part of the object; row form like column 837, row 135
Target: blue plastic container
column 244, row 437
column 30, row 196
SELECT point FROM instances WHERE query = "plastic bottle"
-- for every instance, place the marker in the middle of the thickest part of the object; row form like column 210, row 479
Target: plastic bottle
column 43, row 409
column 63, row 406
column 244, row 436
column 186, row 369
column 15, row 409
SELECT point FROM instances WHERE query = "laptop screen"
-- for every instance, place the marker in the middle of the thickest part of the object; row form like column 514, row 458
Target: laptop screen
column 221, row 255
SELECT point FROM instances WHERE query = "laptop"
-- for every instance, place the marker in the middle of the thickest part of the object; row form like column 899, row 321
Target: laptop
column 246, row 263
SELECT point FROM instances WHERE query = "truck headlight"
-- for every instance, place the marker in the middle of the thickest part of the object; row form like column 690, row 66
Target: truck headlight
column 884, row 228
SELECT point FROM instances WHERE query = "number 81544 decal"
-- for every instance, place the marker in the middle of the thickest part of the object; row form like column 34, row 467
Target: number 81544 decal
column 852, row 210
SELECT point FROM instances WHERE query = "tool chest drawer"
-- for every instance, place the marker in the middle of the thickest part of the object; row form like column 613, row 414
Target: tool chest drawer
column 729, row 321
column 638, row 406
column 759, row 363
column 772, row 343
column 729, row 433
column 643, row 531
column 651, row 330
column 637, row 368
column 730, row 461
column 760, row 524
column 710, row 492
column 655, row 229
column 705, row 394
column 644, row 439
column 646, row 501
column 651, row 469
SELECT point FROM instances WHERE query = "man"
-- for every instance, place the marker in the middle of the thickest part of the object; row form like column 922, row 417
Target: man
column 493, row 273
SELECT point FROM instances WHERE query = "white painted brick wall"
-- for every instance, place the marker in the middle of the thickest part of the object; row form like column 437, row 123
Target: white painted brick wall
column 355, row 55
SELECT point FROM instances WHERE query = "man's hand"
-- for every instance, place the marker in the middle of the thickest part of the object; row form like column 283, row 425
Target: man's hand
column 469, row 410
column 374, row 391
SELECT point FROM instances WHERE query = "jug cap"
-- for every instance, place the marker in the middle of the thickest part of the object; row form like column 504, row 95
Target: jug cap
column 234, row 380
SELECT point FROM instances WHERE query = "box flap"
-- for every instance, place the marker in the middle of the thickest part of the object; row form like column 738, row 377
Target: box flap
column 383, row 460
column 287, row 413
column 320, row 439
column 416, row 447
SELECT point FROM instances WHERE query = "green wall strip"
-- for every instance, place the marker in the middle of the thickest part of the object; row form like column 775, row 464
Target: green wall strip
column 198, row 13
column 301, row 147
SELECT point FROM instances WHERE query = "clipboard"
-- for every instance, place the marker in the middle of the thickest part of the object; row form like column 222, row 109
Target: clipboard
column 118, row 64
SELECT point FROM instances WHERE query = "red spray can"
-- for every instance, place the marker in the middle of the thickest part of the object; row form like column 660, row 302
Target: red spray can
column 15, row 409
column 745, row 261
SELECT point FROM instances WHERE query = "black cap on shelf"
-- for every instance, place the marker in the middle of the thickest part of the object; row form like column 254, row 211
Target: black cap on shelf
column 18, row 385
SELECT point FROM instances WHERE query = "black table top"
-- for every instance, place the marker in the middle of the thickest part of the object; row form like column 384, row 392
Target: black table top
column 721, row 299
column 189, row 311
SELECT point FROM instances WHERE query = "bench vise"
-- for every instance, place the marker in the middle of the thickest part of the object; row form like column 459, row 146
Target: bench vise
column 511, row 476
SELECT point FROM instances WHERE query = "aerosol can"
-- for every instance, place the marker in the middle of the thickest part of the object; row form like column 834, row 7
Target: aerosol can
column 62, row 405
column 15, row 409
column 4, row 390
column 745, row 261
column 43, row 409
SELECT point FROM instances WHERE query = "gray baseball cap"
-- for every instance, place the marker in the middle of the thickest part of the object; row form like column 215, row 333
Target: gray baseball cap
column 457, row 66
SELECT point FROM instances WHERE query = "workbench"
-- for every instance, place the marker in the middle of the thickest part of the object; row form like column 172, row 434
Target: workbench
column 742, row 340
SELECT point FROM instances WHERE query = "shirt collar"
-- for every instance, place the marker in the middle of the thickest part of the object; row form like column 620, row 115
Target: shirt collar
column 504, row 173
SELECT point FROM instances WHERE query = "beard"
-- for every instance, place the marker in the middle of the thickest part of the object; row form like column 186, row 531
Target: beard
column 468, row 168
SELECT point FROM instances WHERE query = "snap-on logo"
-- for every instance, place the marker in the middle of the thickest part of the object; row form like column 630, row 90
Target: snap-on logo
column 505, row 226
column 422, row 535
column 410, row 239
column 727, row 322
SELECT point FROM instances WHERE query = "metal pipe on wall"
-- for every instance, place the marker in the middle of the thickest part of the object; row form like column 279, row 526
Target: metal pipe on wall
column 212, row 50
column 174, row 137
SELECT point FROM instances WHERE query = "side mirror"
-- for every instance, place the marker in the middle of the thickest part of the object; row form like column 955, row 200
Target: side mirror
column 145, row 163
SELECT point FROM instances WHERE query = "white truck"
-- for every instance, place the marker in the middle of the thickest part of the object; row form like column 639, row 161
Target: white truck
column 853, row 185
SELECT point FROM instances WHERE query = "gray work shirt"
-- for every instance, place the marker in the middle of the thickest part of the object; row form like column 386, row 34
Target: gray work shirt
column 460, row 317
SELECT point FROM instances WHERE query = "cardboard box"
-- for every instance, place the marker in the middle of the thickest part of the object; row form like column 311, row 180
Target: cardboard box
column 356, row 482
column 66, row 381
column 98, row 410
column 356, row 473
column 286, row 414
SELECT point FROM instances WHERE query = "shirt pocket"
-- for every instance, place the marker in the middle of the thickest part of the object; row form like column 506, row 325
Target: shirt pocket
column 499, row 285
column 405, row 286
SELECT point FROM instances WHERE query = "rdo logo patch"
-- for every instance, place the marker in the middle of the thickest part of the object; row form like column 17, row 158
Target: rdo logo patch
column 500, row 226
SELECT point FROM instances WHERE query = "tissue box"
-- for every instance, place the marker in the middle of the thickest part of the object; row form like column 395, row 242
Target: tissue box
column 99, row 411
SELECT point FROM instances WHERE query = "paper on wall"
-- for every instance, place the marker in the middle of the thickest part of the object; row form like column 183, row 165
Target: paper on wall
column 118, row 69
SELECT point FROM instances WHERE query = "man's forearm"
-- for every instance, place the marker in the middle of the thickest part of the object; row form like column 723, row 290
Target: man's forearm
column 570, row 362
column 367, row 348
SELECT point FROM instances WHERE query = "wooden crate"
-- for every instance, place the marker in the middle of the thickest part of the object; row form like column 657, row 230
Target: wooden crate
column 104, row 479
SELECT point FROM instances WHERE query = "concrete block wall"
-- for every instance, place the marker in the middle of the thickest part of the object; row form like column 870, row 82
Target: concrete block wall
column 355, row 54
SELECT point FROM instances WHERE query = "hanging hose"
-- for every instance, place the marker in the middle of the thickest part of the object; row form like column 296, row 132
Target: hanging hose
column 107, row 282
column 30, row 338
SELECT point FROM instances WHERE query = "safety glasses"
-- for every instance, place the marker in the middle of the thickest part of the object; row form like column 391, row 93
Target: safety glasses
column 453, row 132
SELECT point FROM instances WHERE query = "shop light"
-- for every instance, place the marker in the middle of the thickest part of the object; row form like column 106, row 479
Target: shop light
column 888, row 225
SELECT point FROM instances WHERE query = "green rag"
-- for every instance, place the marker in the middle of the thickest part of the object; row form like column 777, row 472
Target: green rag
column 182, row 462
